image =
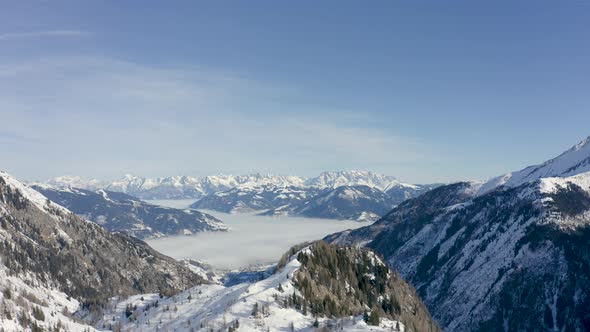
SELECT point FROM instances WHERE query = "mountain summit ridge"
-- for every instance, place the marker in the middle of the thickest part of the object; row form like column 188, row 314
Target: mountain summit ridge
column 511, row 257
column 186, row 187
column 573, row 161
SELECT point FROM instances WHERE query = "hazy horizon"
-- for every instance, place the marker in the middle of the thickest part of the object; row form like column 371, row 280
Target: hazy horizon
column 303, row 176
column 433, row 92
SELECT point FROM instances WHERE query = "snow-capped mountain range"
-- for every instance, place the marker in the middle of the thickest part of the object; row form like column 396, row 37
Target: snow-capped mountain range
column 186, row 187
column 277, row 195
column 175, row 187
column 255, row 198
column 509, row 254
column 353, row 178
column 119, row 212
column 359, row 202
column 61, row 272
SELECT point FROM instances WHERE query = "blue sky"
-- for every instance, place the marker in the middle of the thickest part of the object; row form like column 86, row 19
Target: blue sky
column 422, row 90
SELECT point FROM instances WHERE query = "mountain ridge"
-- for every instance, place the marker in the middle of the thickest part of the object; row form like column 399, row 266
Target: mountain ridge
column 499, row 258
column 119, row 212
column 185, row 187
column 573, row 161
column 68, row 263
column 290, row 299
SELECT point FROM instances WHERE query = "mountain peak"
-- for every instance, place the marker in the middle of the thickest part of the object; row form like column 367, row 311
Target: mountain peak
column 574, row 161
column 183, row 186
column 584, row 143
column 40, row 201
column 334, row 179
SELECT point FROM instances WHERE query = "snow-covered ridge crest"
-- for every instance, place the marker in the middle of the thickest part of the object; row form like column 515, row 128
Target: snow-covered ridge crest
column 552, row 184
column 574, row 161
column 42, row 243
column 525, row 232
column 353, row 178
column 30, row 194
column 119, row 212
column 75, row 181
column 178, row 187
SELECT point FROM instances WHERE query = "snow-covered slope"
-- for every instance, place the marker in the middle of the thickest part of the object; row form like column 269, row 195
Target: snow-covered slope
column 184, row 187
column 359, row 203
column 281, row 195
column 573, row 161
column 176, row 187
column 502, row 259
column 353, row 178
column 76, row 182
column 278, row 303
column 120, row 212
column 401, row 192
column 26, row 304
column 496, row 257
column 54, row 251
column 246, row 198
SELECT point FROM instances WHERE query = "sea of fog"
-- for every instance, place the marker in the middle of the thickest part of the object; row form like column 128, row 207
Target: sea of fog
column 251, row 240
column 173, row 203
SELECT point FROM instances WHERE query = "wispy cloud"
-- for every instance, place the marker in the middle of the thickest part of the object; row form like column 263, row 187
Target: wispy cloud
column 114, row 117
column 40, row 34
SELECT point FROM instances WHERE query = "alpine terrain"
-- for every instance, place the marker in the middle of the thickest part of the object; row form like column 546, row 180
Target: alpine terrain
column 351, row 195
column 175, row 187
column 54, row 263
column 510, row 254
column 267, row 194
column 314, row 286
column 62, row 272
column 254, row 198
column 360, row 203
column 120, row 212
